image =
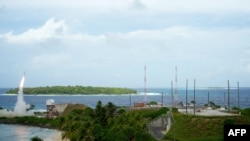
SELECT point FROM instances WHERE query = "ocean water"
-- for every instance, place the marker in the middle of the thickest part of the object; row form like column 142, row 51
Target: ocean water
column 25, row 133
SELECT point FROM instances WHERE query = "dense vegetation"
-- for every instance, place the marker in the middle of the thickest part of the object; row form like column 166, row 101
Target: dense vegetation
column 110, row 123
column 203, row 128
column 103, row 123
column 107, row 123
column 73, row 90
column 31, row 121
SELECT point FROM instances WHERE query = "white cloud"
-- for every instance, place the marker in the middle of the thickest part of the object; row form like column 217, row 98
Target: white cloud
column 191, row 48
column 51, row 29
column 49, row 33
column 177, row 41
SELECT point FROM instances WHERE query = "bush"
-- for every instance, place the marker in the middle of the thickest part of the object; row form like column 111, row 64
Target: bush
column 174, row 109
column 36, row 139
column 152, row 103
column 229, row 121
column 152, row 114
column 246, row 112
column 217, row 106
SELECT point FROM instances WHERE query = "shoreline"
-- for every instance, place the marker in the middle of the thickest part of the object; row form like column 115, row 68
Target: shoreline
column 27, row 124
column 56, row 134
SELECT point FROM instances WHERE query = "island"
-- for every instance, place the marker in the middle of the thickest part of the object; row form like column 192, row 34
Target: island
column 73, row 90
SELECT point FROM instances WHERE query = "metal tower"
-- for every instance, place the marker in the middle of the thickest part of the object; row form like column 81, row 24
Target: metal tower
column 176, row 88
column 145, row 86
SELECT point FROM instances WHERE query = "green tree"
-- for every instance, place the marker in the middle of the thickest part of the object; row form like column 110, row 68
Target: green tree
column 104, row 123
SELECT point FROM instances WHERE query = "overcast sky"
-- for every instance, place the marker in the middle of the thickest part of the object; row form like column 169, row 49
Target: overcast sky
column 108, row 42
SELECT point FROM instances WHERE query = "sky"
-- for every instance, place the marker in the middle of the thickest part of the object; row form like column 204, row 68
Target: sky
column 109, row 42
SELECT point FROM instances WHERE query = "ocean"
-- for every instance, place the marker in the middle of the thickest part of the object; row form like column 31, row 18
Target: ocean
column 219, row 96
column 161, row 95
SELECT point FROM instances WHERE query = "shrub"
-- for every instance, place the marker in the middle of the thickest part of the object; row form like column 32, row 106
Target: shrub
column 174, row 109
column 152, row 103
column 36, row 139
column 229, row 121
column 246, row 112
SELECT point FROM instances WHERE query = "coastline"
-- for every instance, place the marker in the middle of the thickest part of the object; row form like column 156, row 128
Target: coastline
column 21, row 131
column 12, row 122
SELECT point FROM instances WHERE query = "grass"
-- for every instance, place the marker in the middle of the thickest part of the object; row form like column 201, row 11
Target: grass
column 201, row 128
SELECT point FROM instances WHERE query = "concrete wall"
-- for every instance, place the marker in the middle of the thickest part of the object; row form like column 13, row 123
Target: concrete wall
column 61, row 107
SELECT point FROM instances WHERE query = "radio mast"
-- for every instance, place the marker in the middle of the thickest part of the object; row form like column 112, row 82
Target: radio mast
column 145, row 86
column 176, row 88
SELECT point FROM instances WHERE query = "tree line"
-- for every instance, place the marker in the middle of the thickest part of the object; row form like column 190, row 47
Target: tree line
column 102, row 123
column 73, row 90
column 108, row 123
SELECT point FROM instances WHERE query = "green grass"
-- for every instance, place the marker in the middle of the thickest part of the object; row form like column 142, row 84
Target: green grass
column 201, row 128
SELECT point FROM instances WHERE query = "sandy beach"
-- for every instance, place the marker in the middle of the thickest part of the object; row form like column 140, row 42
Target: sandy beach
column 57, row 136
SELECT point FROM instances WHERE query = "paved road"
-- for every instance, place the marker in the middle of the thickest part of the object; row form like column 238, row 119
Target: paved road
column 156, row 132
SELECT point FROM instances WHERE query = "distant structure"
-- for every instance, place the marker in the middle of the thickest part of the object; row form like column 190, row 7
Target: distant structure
column 145, row 86
column 139, row 105
column 176, row 89
column 51, row 109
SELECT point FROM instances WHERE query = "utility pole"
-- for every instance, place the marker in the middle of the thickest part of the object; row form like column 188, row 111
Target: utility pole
column 130, row 100
column 186, row 94
column 228, row 87
column 176, row 88
column 162, row 99
column 194, row 97
column 145, row 87
column 238, row 95
column 208, row 98
column 224, row 99
column 172, row 92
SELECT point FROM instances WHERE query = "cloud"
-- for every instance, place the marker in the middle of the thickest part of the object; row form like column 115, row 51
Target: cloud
column 52, row 33
column 174, row 41
column 138, row 4
column 50, row 30
column 205, row 50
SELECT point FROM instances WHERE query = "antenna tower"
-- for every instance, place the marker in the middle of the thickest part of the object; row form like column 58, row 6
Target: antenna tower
column 176, row 88
column 145, row 86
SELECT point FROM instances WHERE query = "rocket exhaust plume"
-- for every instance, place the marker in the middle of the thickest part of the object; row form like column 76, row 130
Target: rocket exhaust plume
column 21, row 107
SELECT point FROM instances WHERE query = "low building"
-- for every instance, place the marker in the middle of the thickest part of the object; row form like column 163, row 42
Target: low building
column 51, row 109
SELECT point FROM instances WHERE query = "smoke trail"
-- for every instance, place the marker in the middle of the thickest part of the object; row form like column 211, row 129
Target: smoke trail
column 21, row 107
